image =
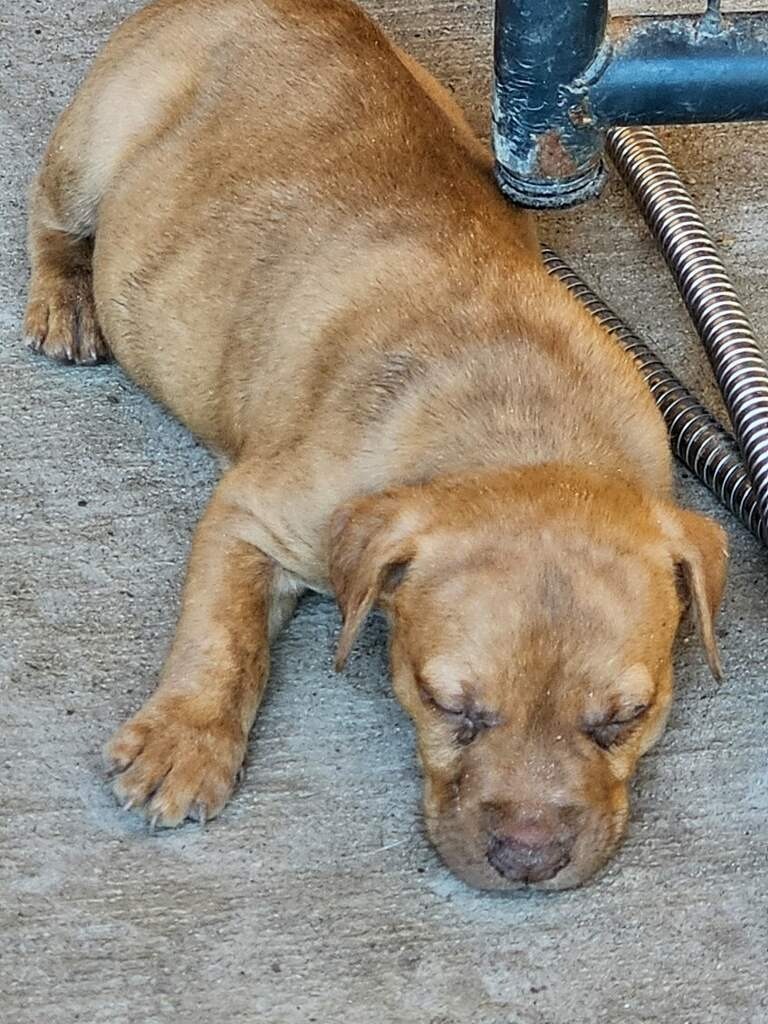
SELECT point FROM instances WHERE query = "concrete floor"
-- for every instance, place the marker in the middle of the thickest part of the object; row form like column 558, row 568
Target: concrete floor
column 315, row 897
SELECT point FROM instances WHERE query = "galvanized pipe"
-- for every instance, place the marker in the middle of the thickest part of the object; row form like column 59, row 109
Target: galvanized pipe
column 737, row 360
column 699, row 440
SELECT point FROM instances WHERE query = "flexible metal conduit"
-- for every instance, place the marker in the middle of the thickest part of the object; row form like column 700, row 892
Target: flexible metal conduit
column 737, row 360
column 698, row 439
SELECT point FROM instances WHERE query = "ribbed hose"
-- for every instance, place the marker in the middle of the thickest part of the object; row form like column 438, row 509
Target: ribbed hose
column 737, row 360
column 698, row 439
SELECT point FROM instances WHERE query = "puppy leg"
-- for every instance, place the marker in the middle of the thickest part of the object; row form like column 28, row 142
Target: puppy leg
column 181, row 754
column 61, row 318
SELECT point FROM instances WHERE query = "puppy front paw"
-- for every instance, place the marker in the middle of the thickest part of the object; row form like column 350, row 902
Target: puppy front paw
column 170, row 763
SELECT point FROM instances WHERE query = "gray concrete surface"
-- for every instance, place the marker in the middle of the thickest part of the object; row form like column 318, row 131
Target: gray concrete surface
column 315, row 897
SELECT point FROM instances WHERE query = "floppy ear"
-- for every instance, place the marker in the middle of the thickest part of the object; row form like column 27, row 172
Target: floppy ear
column 372, row 541
column 699, row 548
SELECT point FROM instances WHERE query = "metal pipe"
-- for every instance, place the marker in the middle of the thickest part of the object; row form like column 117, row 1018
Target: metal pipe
column 540, row 46
column 699, row 440
column 737, row 360
column 563, row 72
column 681, row 69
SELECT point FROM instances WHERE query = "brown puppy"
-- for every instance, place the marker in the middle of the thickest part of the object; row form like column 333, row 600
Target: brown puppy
column 283, row 228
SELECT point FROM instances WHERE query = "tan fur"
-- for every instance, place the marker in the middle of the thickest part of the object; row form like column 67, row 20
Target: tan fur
column 297, row 246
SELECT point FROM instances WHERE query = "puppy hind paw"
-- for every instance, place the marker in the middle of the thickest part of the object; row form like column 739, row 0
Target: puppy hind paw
column 61, row 323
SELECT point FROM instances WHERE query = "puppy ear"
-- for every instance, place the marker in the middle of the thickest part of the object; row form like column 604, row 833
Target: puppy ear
column 699, row 548
column 372, row 542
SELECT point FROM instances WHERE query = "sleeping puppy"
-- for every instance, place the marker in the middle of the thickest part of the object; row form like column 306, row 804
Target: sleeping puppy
column 284, row 229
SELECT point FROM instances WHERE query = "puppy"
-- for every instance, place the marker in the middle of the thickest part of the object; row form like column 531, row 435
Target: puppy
column 281, row 227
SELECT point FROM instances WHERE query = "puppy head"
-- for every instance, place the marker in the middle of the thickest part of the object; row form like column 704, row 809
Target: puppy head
column 533, row 616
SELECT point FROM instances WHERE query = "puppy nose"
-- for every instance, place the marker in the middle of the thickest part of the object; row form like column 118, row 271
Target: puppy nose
column 530, row 854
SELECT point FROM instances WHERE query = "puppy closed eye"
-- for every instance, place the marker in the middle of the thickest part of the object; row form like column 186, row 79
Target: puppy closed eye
column 611, row 731
column 467, row 723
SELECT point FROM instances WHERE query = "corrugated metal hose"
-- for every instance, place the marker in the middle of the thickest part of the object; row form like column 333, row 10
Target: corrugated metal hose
column 703, row 444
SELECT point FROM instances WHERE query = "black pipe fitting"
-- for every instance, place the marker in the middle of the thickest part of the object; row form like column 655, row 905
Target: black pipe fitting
column 564, row 73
